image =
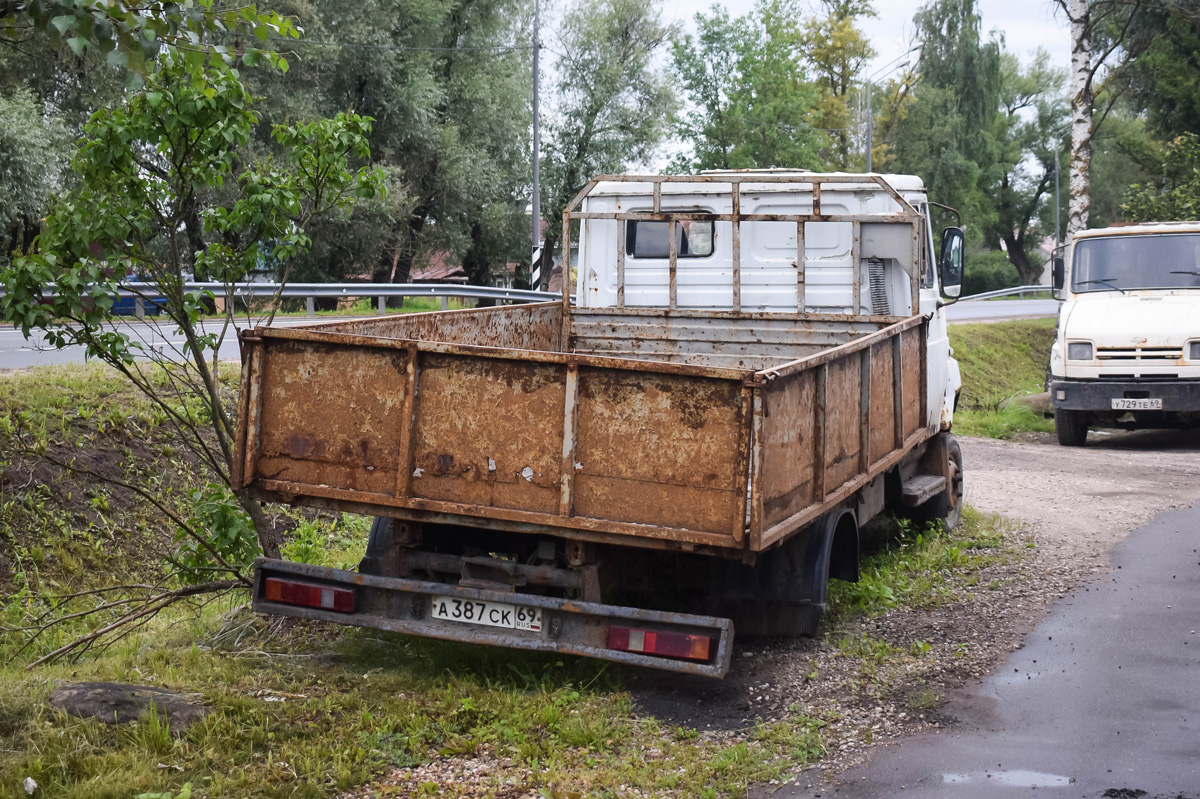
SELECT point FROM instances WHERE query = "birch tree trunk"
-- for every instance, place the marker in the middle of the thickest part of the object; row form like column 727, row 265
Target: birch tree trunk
column 1079, row 191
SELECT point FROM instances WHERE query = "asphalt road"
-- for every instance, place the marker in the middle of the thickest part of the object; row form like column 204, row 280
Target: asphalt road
column 18, row 353
column 994, row 310
column 1102, row 701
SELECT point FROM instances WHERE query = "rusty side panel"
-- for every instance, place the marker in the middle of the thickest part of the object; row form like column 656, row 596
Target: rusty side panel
column 331, row 415
column 659, row 449
column 489, row 432
column 787, row 482
column 913, row 377
column 842, row 421
column 519, row 327
column 882, row 405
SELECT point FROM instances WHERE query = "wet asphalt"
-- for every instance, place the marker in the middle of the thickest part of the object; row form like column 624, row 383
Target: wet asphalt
column 1103, row 699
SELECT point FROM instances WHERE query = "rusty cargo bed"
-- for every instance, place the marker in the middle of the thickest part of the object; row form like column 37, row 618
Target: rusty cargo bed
column 713, row 431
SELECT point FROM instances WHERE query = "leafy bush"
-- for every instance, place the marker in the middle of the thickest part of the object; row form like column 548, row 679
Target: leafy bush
column 988, row 271
column 222, row 532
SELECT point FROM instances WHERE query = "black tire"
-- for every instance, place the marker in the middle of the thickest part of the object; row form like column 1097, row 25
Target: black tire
column 379, row 545
column 1071, row 427
column 947, row 506
column 767, row 619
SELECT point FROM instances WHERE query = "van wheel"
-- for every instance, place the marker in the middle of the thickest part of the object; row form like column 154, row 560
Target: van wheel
column 1071, row 427
column 947, row 506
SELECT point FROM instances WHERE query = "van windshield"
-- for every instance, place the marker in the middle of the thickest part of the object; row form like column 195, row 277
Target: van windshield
column 1120, row 263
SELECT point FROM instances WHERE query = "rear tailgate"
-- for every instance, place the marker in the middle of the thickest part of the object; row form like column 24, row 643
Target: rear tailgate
column 574, row 445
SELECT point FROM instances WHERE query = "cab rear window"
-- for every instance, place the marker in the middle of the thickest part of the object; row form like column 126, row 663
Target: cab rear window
column 693, row 239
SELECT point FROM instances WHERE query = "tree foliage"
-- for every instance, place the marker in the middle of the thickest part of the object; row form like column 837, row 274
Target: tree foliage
column 1176, row 195
column 164, row 186
column 749, row 103
column 33, row 159
column 612, row 102
column 838, row 51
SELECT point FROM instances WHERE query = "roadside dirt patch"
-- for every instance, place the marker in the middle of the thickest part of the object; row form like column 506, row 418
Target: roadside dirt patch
column 875, row 679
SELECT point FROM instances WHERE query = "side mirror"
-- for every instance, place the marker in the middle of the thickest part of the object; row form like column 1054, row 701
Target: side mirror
column 950, row 265
column 1058, row 273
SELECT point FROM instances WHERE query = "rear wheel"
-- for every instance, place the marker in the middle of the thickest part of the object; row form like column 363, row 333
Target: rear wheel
column 1071, row 427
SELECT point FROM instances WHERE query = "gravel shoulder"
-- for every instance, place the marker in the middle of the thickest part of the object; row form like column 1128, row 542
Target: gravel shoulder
column 873, row 680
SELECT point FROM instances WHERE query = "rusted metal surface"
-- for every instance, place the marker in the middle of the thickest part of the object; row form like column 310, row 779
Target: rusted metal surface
column 568, row 626
column 517, row 327
column 719, row 431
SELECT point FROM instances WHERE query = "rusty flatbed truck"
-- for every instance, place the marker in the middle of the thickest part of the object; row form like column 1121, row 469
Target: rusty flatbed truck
column 756, row 364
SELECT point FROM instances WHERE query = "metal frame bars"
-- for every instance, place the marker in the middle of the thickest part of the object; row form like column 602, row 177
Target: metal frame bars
column 905, row 214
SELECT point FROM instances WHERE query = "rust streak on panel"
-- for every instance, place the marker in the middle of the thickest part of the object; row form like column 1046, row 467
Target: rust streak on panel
column 864, row 410
column 923, row 378
column 254, row 412
column 408, row 423
column 657, row 196
column 756, row 465
column 816, row 192
column 736, row 240
column 673, row 264
column 742, row 467
column 897, row 391
column 820, row 405
column 856, row 266
column 621, row 264
column 801, row 268
column 570, row 440
column 883, row 400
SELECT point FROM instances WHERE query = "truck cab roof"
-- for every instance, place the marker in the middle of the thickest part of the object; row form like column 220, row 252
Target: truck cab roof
column 628, row 186
column 1145, row 229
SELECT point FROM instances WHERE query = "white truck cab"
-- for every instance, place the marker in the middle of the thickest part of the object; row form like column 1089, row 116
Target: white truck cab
column 1127, row 349
column 771, row 280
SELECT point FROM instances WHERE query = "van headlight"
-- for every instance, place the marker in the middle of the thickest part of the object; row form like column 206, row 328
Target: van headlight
column 1194, row 351
column 1079, row 351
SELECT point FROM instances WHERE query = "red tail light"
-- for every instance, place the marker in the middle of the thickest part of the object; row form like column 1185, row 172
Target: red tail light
column 657, row 642
column 309, row 595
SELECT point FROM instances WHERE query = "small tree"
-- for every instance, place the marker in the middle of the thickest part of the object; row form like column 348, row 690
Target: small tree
column 164, row 189
column 1177, row 196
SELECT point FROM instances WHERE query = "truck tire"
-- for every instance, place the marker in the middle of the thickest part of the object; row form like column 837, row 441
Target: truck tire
column 947, row 506
column 1071, row 427
column 381, row 552
column 767, row 619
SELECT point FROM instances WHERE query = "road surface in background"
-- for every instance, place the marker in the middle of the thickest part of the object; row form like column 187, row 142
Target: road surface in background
column 995, row 310
column 18, row 353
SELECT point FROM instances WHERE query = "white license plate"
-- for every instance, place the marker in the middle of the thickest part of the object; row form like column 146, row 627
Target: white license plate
column 1154, row 404
column 492, row 614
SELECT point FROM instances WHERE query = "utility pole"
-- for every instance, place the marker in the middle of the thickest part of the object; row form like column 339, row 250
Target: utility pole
column 1057, row 239
column 536, row 214
column 870, row 127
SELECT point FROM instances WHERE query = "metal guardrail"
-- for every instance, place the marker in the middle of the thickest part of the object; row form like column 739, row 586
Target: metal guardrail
column 1015, row 291
column 147, row 292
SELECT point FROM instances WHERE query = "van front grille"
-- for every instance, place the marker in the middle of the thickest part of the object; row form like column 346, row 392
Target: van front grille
column 1139, row 354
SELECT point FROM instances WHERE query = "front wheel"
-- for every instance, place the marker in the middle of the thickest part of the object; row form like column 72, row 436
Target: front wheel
column 1071, row 427
column 947, row 506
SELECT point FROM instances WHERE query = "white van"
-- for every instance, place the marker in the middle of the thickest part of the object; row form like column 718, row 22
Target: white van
column 1127, row 349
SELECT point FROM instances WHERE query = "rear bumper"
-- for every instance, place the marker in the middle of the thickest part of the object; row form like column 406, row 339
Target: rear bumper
column 568, row 626
column 1178, row 396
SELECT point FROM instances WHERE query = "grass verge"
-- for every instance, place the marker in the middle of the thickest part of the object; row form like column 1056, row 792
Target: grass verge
column 1000, row 362
column 303, row 710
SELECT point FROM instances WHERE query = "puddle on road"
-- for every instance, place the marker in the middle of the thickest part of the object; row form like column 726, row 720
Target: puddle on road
column 1018, row 778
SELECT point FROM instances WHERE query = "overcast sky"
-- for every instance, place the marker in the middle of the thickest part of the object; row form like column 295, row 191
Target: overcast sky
column 1026, row 25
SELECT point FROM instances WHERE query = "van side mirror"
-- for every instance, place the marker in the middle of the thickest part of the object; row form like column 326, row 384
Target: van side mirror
column 1058, row 272
column 950, row 264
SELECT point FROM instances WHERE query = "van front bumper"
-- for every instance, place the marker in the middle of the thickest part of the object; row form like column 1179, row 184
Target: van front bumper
column 1097, row 395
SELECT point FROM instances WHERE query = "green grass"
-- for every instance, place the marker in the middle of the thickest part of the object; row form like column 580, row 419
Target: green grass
column 1001, row 361
column 920, row 568
column 302, row 710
